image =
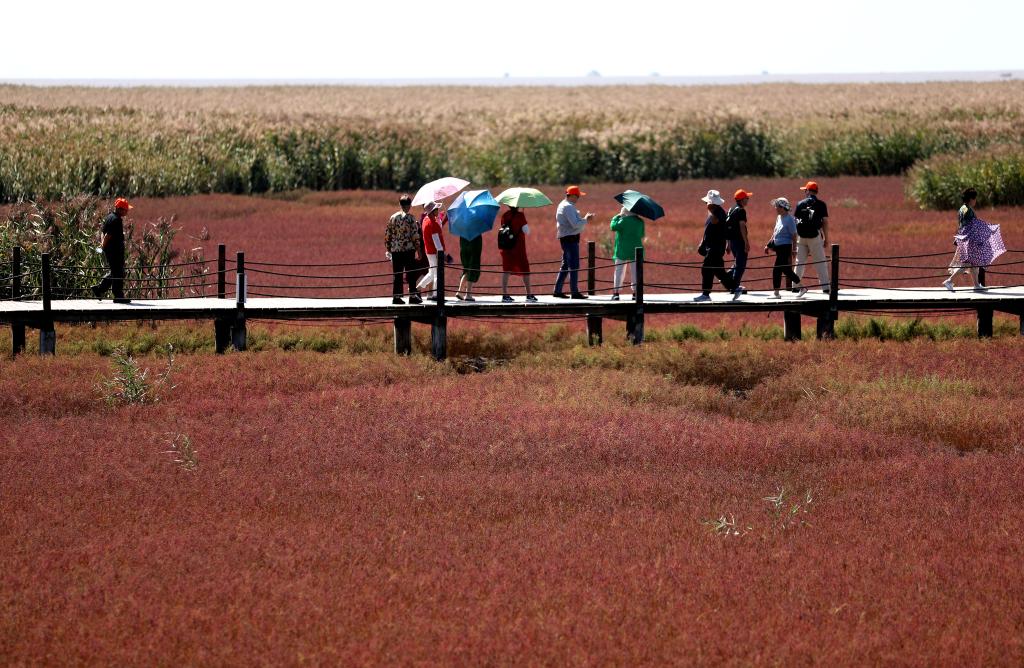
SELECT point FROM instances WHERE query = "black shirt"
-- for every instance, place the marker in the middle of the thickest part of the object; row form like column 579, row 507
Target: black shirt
column 812, row 210
column 716, row 233
column 737, row 216
column 114, row 226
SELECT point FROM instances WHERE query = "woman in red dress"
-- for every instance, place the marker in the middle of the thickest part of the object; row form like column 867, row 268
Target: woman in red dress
column 514, row 259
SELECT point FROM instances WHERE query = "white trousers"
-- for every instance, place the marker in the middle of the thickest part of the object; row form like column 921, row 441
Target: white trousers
column 620, row 273
column 430, row 278
column 816, row 249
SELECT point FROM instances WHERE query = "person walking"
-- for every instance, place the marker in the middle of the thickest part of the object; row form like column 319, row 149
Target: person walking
column 811, row 216
column 712, row 247
column 629, row 235
column 978, row 244
column 402, row 242
column 739, row 241
column 470, row 252
column 113, row 246
column 569, row 226
column 433, row 243
column 512, row 248
column 782, row 243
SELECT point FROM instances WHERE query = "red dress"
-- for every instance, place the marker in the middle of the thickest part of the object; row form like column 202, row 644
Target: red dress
column 514, row 260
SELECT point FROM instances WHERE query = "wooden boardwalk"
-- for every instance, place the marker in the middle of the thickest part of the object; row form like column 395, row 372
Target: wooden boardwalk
column 230, row 313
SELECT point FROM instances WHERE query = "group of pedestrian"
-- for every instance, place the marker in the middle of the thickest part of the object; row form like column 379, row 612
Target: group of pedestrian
column 804, row 231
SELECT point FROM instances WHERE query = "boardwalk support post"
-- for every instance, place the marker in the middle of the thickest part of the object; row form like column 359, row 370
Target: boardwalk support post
column 827, row 322
column 791, row 325
column 403, row 336
column 635, row 321
column 239, row 335
column 221, row 271
column 985, row 322
column 595, row 324
column 439, row 328
column 47, row 334
column 17, row 328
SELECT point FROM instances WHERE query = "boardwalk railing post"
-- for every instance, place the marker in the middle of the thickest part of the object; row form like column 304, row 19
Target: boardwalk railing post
column 635, row 327
column 17, row 328
column 439, row 328
column 827, row 322
column 595, row 325
column 238, row 330
column 222, row 288
column 47, row 334
column 403, row 336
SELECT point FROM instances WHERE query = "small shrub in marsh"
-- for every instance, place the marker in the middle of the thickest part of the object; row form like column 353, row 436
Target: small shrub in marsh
column 184, row 452
column 998, row 176
column 131, row 383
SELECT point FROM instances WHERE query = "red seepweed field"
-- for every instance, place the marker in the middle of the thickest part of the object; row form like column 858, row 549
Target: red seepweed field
column 738, row 501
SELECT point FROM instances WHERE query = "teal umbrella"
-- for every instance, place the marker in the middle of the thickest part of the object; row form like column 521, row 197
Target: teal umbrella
column 640, row 204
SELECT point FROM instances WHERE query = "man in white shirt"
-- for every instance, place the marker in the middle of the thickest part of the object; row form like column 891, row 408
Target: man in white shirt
column 569, row 225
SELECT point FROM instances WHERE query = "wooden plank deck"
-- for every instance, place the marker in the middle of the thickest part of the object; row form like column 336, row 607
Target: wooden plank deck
column 1010, row 300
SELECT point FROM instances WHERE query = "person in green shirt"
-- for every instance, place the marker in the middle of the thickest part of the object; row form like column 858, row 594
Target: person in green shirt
column 629, row 235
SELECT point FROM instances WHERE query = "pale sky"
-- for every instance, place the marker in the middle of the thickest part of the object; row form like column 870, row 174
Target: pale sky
column 382, row 39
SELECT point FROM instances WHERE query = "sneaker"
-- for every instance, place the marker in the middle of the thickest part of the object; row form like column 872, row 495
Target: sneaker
column 702, row 298
column 825, row 290
column 458, row 297
column 774, row 295
column 948, row 284
column 741, row 289
column 97, row 293
column 415, row 299
column 737, row 293
column 122, row 300
column 397, row 300
column 468, row 298
column 578, row 295
column 979, row 286
column 432, row 298
column 801, row 292
column 531, row 298
column 615, row 297
column 507, row 299
column 559, row 295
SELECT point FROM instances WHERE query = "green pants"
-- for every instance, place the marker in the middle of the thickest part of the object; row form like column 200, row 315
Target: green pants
column 470, row 252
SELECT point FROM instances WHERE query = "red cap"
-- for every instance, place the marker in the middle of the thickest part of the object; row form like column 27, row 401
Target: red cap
column 122, row 204
column 574, row 190
column 741, row 194
column 811, row 185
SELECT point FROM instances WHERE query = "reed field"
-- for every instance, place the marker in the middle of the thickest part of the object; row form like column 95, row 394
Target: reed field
column 57, row 142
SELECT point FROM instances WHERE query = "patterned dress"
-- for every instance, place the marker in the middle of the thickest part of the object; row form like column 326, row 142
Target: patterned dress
column 978, row 244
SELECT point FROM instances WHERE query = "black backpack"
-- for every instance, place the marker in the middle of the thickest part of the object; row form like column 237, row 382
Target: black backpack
column 506, row 238
column 807, row 225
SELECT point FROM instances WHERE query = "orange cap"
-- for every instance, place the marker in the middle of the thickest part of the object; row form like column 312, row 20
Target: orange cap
column 122, row 204
column 574, row 190
column 741, row 194
column 810, row 185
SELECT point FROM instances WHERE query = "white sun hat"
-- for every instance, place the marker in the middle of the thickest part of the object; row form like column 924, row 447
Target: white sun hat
column 713, row 197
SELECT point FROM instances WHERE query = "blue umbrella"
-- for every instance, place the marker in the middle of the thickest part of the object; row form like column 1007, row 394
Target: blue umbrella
column 472, row 213
column 640, row 204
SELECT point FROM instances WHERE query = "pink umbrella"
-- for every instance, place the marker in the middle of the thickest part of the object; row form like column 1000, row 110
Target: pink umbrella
column 435, row 191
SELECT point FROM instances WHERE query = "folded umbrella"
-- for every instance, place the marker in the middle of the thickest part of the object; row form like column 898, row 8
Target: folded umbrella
column 640, row 204
column 472, row 213
column 524, row 198
column 435, row 191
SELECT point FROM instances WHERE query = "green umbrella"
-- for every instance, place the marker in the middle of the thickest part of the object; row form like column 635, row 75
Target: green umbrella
column 640, row 204
column 523, row 198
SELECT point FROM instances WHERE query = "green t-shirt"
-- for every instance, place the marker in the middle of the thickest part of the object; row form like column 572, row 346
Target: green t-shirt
column 629, row 235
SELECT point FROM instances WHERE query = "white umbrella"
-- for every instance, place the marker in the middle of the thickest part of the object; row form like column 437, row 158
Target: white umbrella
column 435, row 191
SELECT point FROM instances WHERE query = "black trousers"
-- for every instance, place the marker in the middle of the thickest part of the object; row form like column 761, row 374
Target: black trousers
column 783, row 260
column 714, row 267
column 404, row 262
column 114, row 280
